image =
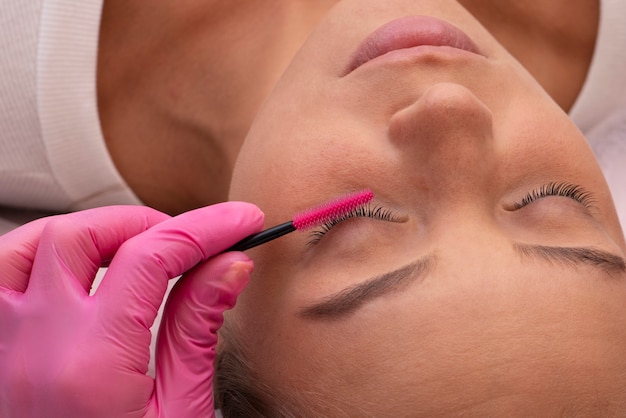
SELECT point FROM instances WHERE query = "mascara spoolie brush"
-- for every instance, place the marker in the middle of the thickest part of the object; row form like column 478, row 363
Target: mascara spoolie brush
column 309, row 218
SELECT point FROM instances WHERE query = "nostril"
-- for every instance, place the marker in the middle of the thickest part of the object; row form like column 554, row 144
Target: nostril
column 445, row 137
column 444, row 112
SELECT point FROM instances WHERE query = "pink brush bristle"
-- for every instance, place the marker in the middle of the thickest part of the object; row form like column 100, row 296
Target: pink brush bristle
column 331, row 210
column 308, row 219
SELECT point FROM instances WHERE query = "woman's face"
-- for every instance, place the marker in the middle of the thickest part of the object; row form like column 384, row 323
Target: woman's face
column 495, row 281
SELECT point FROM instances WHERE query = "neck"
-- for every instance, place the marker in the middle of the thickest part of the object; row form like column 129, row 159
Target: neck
column 179, row 84
column 554, row 39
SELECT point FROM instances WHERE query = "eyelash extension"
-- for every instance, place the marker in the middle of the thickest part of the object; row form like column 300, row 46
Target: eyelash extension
column 569, row 190
column 367, row 211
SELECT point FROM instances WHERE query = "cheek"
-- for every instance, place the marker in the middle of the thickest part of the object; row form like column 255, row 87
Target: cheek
column 246, row 168
column 293, row 170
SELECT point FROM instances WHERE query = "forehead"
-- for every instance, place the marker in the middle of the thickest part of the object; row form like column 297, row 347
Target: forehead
column 460, row 334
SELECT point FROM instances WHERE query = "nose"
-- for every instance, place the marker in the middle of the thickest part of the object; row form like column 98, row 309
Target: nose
column 445, row 139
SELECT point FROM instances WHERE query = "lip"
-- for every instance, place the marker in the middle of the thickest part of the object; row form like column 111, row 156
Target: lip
column 410, row 32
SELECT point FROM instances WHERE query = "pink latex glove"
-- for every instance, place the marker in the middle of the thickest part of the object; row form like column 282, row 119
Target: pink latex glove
column 64, row 353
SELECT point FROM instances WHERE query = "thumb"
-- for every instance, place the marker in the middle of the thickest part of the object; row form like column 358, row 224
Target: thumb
column 188, row 334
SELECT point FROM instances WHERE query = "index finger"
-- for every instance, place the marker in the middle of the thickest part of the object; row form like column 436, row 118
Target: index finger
column 84, row 237
column 138, row 275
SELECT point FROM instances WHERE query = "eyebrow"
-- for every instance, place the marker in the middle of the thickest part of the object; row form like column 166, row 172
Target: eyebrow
column 348, row 300
column 352, row 298
column 608, row 262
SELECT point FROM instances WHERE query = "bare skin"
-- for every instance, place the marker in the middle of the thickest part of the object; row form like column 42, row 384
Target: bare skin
column 179, row 84
column 554, row 40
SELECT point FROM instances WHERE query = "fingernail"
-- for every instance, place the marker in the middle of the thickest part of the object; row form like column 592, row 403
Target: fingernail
column 238, row 274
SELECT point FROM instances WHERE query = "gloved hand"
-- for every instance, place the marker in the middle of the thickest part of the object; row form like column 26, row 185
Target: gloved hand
column 64, row 353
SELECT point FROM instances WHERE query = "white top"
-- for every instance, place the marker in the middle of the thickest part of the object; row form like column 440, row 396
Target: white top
column 52, row 154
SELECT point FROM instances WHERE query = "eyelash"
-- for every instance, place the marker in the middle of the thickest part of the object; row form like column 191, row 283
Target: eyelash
column 367, row 211
column 569, row 190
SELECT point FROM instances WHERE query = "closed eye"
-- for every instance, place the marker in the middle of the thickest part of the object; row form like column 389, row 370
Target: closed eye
column 367, row 211
column 568, row 190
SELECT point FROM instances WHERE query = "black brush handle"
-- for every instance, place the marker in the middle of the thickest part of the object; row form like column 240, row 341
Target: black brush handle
column 263, row 237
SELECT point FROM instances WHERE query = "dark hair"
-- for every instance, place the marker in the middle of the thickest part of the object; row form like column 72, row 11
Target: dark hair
column 238, row 391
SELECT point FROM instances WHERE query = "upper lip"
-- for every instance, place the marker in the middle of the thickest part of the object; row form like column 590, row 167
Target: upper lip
column 409, row 32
